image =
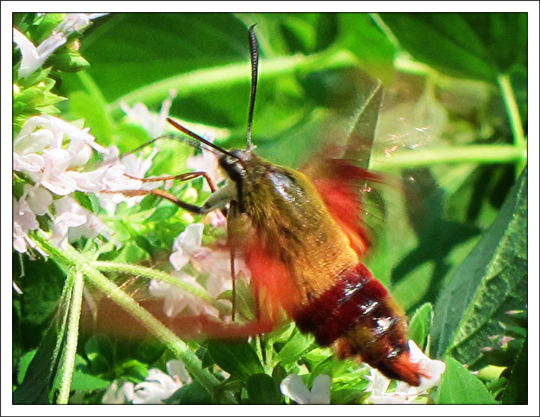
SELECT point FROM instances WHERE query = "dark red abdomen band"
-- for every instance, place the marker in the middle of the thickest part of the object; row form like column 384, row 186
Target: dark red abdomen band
column 356, row 296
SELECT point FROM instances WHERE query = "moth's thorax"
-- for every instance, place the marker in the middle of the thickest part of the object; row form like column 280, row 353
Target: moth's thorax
column 289, row 215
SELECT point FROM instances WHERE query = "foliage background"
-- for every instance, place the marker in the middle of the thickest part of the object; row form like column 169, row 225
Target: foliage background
column 448, row 83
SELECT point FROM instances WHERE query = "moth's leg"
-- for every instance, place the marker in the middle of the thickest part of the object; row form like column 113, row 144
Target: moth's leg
column 218, row 200
column 192, row 208
column 182, row 177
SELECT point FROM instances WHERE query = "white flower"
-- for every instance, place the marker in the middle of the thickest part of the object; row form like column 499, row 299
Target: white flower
column 207, row 162
column 157, row 386
column 215, row 262
column 32, row 57
column 39, row 152
column 405, row 393
column 294, row 388
column 177, row 300
column 73, row 221
column 38, row 199
column 154, row 124
column 24, row 220
column 76, row 21
column 118, row 394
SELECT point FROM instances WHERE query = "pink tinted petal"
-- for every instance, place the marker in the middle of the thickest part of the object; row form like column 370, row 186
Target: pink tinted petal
column 178, row 260
column 190, row 239
column 38, row 199
column 30, row 58
column 49, row 45
column 33, row 142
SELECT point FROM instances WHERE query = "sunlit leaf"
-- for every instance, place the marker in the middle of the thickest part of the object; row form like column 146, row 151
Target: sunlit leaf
column 490, row 282
column 459, row 386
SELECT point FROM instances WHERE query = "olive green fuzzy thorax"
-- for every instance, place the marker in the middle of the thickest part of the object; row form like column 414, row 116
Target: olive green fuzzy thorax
column 288, row 213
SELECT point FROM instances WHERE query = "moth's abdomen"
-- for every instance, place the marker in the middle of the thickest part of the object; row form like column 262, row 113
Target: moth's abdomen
column 358, row 315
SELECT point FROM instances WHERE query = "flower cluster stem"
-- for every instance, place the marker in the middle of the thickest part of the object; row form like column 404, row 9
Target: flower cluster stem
column 72, row 258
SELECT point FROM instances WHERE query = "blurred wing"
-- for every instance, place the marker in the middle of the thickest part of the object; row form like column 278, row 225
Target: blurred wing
column 342, row 186
column 339, row 172
column 274, row 288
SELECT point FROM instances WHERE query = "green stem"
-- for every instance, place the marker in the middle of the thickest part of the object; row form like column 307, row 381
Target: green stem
column 70, row 351
column 203, row 80
column 514, row 118
column 512, row 109
column 486, row 154
column 72, row 258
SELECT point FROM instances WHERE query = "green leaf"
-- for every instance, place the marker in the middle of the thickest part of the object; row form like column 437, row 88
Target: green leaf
column 85, row 382
column 262, row 389
column 192, row 394
column 295, row 347
column 420, row 326
column 238, row 359
column 67, row 60
column 491, row 281
column 516, row 391
column 99, row 354
column 168, row 44
column 459, row 386
column 23, row 365
column 83, row 105
column 474, row 45
column 37, row 382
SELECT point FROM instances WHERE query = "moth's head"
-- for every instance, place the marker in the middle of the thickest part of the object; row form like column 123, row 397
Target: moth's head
column 234, row 163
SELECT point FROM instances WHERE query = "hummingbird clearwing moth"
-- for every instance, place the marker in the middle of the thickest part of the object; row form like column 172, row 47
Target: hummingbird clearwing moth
column 301, row 235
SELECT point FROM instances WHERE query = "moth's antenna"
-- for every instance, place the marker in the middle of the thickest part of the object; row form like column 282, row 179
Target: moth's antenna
column 199, row 138
column 254, row 49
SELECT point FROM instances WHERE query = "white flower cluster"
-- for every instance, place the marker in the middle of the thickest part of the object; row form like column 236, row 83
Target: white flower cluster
column 157, row 386
column 53, row 164
column 33, row 57
column 216, row 263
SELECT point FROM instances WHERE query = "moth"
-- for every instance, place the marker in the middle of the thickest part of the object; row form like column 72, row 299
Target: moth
column 301, row 236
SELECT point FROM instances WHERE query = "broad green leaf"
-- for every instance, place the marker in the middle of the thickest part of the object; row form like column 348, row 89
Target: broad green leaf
column 160, row 45
column 420, row 325
column 459, row 386
column 490, row 282
column 475, row 45
column 37, row 382
column 517, row 389
column 262, row 389
column 238, row 359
